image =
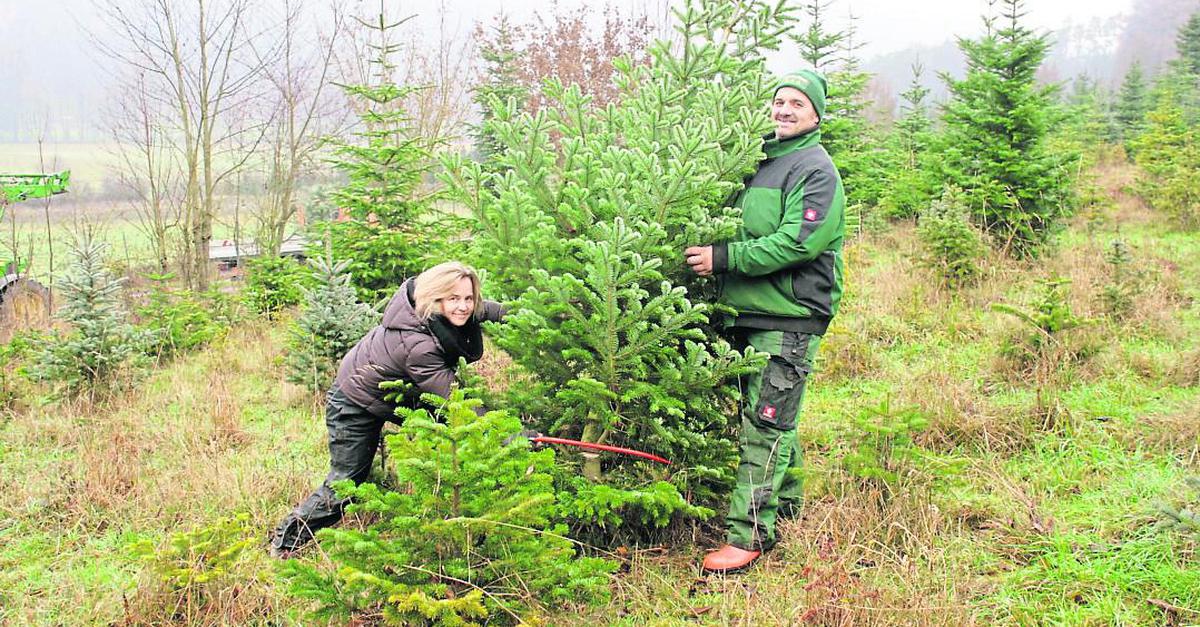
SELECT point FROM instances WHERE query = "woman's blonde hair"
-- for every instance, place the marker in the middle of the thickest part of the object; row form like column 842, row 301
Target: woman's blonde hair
column 438, row 283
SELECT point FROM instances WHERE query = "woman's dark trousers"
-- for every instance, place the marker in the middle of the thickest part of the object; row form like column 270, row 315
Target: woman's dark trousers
column 353, row 439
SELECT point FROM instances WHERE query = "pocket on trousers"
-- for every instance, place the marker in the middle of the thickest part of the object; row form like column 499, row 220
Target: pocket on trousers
column 779, row 399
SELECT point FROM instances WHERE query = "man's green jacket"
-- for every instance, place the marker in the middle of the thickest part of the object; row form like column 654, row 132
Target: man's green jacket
column 783, row 269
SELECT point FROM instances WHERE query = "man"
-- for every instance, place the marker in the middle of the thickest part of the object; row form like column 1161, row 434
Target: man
column 782, row 274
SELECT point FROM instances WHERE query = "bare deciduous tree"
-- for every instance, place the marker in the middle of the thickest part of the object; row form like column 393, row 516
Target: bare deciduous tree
column 576, row 47
column 304, row 111
column 440, row 69
column 197, row 70
column 147, row 167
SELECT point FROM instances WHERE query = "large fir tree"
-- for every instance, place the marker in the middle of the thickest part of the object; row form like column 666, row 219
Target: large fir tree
column 1187, row 44
column 1167, row 150
column 1088, row 126
column 852, row 141
column 818, row 44
column 914, row 125
column 584, row 222
column 394, row 229
column 1132, row 102
column 997, row 122
column 500, row 84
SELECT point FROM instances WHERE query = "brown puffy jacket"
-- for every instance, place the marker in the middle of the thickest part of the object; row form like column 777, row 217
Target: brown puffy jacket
column 402, row 347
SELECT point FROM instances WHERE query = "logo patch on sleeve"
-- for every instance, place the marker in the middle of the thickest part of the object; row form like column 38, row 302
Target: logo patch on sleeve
column 768, row 412
column 810, row 214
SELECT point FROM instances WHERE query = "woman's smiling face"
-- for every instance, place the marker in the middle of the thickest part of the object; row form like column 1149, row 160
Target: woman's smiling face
column 460, row 304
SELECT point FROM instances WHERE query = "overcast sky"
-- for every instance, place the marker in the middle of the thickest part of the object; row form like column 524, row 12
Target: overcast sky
column 46, row 56
column 884, row 25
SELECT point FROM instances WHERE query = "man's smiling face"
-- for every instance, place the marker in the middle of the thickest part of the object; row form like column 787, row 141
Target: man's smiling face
column 793, row 113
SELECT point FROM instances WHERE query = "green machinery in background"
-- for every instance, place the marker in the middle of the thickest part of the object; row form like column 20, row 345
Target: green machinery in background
column 19, row 187
column 24, row 302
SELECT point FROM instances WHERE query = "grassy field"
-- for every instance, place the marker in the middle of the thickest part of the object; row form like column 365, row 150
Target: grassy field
column 90, row 163
column 45, row 251
column 1035, row 501
column 88, row 203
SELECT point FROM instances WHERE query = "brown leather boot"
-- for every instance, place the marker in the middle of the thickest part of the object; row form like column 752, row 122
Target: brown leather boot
column 728, row 559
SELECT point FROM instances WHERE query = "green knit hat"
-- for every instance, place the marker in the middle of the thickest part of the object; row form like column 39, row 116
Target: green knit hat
column 811, row 83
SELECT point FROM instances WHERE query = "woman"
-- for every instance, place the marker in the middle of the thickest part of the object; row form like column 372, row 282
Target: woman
column 430, row 323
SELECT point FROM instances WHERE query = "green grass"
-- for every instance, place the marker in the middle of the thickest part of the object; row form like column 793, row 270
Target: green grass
column 92, row 168
column 89, row 163
column 129, row 245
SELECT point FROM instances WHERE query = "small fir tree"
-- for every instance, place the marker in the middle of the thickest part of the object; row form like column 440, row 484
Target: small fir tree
column 1050, row 315
column 190, row 570
column 1123, row 285
column 586, row 232
column 1047, row 346
column 886, row 458
column 1168, row 150
column 469, row 541
column 951, row 246
column 273, row 284
column 392, row 228
column 179, row 321
column 996, row 124
column 1040, row 348
column 331, row 323
column 909, row 186
column 100, row 343
column 1185, row 517
column 1132, row 103
column 15, row 356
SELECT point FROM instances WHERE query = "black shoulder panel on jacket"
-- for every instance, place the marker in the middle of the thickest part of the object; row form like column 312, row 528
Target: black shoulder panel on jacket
column 803, row 163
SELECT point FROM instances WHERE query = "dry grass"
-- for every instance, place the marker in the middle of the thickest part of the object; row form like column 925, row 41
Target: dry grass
column 247, row 602
column 1155, row 308
column 1177, row 431
column 498, row 371
column 1126, row 211
column 846, row 561
column 198, row 441
column 845, row 354
column 961, row 415
column 873, row 315
column 1185, row 371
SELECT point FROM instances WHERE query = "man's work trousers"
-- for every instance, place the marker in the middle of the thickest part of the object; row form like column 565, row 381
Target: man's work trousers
column 768, row 473
column 353, row 440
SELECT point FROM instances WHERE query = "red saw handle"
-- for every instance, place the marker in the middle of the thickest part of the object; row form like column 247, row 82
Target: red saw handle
column 542, row 439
